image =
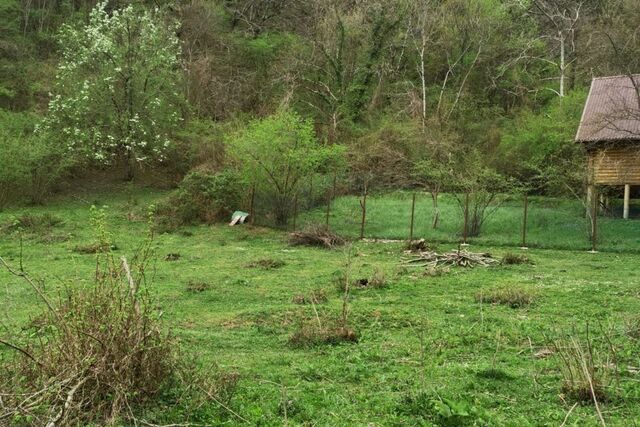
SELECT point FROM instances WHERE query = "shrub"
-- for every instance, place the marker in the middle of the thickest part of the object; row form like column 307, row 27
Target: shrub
column 278, row 154
column 515, row 259
column 100, row 354
column 72, row 370
column 13, row 172
column 512, row 297
column 203, row 197
column 33, row 223
column 585, row 369
column 30, row 165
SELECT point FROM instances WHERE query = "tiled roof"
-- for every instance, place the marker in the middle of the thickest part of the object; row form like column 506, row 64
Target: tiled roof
column 612, row 111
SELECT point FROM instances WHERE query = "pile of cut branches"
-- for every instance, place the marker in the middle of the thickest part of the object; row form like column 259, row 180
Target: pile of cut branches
column 460, row 258
column 316, row 235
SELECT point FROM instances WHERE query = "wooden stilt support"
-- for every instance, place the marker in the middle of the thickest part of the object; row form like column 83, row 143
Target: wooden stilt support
column 594, row 221
column 627, row 197
column 589, row 201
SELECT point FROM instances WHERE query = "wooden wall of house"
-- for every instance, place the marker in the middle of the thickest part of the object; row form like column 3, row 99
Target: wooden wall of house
column 615, row 165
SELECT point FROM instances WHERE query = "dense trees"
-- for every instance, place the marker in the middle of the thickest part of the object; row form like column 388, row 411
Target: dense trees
column 415, row 82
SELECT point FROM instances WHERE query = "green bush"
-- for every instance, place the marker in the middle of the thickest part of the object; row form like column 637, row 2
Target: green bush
column 13, row 173
column 203, row 197
column 30, row 164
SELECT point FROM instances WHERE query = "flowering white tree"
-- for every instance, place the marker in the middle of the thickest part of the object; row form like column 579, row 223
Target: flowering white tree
column 117, row 91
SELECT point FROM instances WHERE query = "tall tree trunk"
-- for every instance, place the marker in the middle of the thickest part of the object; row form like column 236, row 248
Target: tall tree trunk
column 424, row 84
column 563, row 66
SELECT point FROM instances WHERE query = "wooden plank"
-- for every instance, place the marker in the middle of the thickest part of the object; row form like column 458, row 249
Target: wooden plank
column 615, row 166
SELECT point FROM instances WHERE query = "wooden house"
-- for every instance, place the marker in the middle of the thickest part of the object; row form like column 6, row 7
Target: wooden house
column 610, row 132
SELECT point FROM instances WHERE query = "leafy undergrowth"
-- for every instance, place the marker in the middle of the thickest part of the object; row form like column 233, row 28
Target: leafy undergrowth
column 426, row 353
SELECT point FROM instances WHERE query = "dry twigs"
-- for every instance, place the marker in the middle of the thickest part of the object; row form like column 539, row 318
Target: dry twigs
column 96, row 353
column 461, row 258
column 316, row 236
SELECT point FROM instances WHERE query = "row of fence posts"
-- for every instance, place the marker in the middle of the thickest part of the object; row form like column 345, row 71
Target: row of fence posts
column 465, row 229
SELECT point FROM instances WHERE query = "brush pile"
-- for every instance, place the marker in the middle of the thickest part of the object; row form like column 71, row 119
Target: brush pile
column 459, row 258
column 91, row 358
column 316, row 235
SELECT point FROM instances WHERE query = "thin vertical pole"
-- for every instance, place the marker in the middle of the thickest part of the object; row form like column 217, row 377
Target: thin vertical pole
column 594, row 221
column 295, row 212
column 251, row 207
column 627, row 196
column 413, row 210
column 466, row 219
column 333, row 195
column 363, row 205
column 524, row 221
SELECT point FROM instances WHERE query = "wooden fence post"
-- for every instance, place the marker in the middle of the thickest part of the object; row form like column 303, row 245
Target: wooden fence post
column 333, row 195
column 413, row 210
column 295, row 212
column 251, row 207
column 363, row 206
column 524, row 222
column 466, row 219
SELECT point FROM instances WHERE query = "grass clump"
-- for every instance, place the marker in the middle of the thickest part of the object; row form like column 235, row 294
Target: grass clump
column 632, row 327
column 309, row 334
column 316, row 296
column 515, row 259
column 494, row 374
column 585, row 369
column 94, row 248
column 514, row 297
column 377, row 280
column 316, row 235
column 197, row 287
column 172, row 257
column 266, row 264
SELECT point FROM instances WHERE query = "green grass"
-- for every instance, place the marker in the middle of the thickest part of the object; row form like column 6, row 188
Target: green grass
column 552, row 223
column 478, row 365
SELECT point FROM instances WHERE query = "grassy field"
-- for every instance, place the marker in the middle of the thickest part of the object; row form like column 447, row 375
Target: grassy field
column 431, row 349
column 552, row 223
